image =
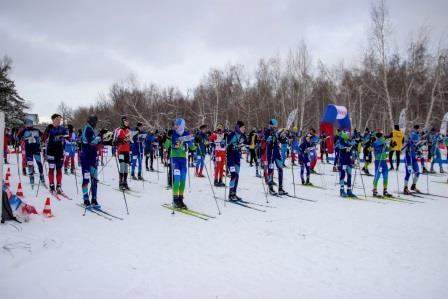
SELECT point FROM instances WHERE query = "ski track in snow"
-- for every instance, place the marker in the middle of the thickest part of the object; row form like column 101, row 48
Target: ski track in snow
column 332, row 248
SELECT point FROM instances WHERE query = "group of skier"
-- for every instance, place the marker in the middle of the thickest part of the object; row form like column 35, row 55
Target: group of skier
column 178, row 149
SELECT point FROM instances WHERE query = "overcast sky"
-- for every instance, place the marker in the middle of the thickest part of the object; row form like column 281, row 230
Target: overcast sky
column 73, row 50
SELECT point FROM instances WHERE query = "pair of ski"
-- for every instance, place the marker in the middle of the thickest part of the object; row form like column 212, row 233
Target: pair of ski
column 188, row 212
column 128, row 192
column 100, row 212
column 292, row 196
column 396, row 199
column 249, row 204
column 59, row 196
column 424, row 195
column 312, row 186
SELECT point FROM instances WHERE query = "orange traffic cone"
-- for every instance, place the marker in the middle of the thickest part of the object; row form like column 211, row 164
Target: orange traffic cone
column 19, row 190
column 8, row 172
column 7, row 184
column 47, row 209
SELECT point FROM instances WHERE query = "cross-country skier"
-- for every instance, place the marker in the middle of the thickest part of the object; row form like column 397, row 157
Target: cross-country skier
column 178, row 144
column 32, row 137
column 122, row 139
column 70, row 150
column 89, row 162
column 274, row 157
column 304, row 158
column 436, row 140
column 411, row 148
column 323, row 147
column 398, row 139
column 283, row 138
column 201, row 141
column 336, row 138
column 294, row 145
column 314, row 141
column 138, row 138
column 217, row 138
column 6, row 141
column 150, row 145
column 236, row 140
column 253, row 140
column 20, row 143
column 381, row 147
column 345, row 163
column 367, row 140
column 55, row 138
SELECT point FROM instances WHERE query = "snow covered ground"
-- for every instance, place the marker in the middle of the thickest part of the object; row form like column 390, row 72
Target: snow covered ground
column 331, row 248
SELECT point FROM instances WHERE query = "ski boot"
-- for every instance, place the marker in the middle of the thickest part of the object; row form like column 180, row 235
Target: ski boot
column 140, row 177
column 271, row 190
column 257, row 174
column 52, row 189
column 425, row 171
column 87, row 203
column 238, row 198
column 65, row 171
column 32, row 180
column 406, row 191
column 350, row 193
column 342, row 193
column 308, row 182
column 431, row 170
column 216, row 183
column 147, row 168
column 386, row 194
column 375, row 192
column 335, row 169
column 414, row 188
column 72, row 171
column 125, row 185
column 133, row 176
column 42, row 179
column 303, row 181
column 24, row 171
column 181, row 202
column 120, row 184
column 441, row 170
column 59, row 189
column 95, row 204
column 176, row 202
column 232, row 197
column 221, row 184
column 281, row 191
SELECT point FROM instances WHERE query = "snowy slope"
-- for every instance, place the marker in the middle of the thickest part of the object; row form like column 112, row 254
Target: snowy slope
column 332, row 248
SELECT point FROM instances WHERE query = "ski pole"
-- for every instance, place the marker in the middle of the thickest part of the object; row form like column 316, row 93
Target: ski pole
column 398, row 180
column 293, row 179
column 225, row 170
column 363, row 186
column 76, row 178
column 140, row 161
column 188, row 169
column 157, row 162
column 124, row 195
column 263, row 183
column 17, row 156
column 211, row 186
